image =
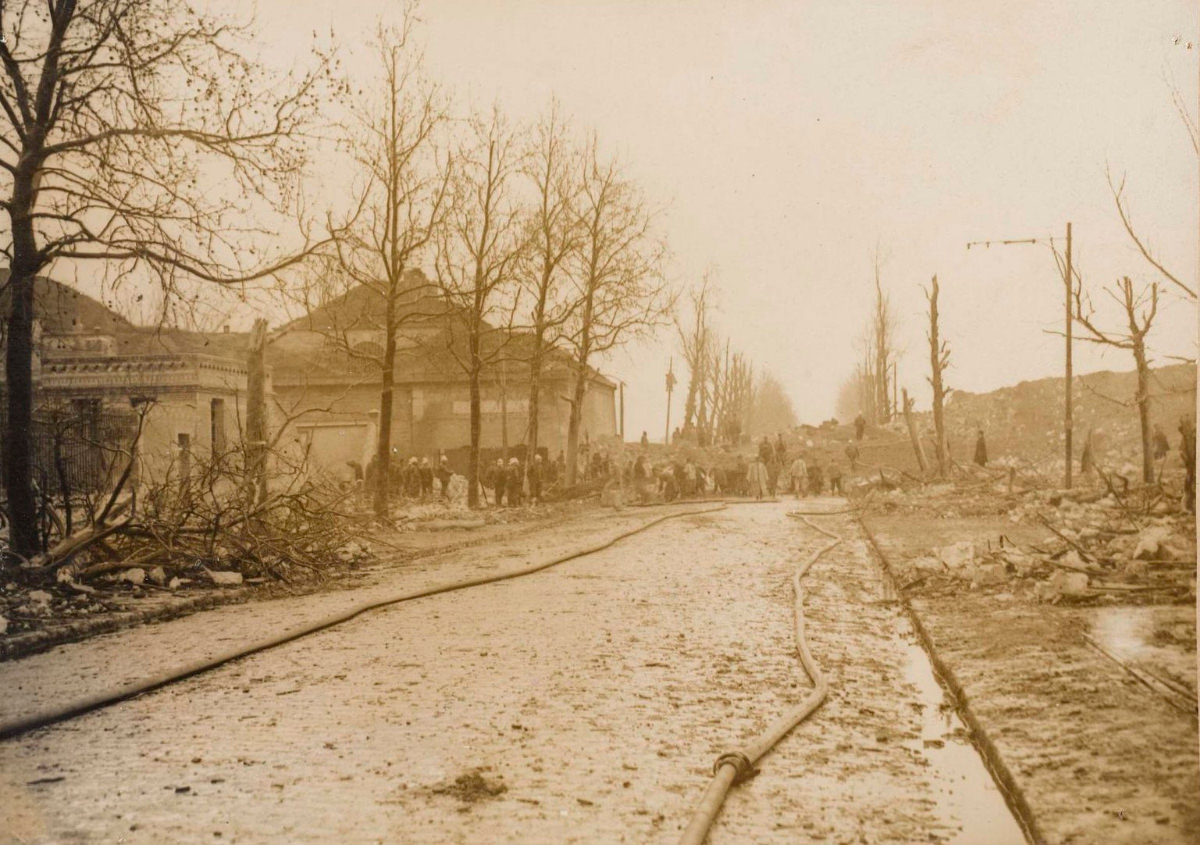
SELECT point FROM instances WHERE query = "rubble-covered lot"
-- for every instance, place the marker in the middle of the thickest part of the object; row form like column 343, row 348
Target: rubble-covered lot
column 34, row 616
column 1068, row 618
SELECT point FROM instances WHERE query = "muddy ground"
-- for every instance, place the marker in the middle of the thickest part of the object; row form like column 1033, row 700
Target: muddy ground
column 1099, row 756
column 585, row 703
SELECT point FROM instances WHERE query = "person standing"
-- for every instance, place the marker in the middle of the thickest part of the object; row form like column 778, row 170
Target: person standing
column 852, row 454
column 981, row 455
column 535, row 480
column 1187, row 451
column 426, row 476
column 799, row 472
column 515, row 481
column 756, row 478
column 412, row 479
column 645, row 440
column 816, row 477
column 835, row 477
column 860, row 426
column 443, row 476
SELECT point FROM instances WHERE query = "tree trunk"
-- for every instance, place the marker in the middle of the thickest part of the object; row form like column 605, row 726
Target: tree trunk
column 18, row 371
column 575, row 421
column 936, row 364
column 1143, row 406
column 912, row 433
column 256, row 414
column 383, row 442
column 535, row 395
column 476, row 422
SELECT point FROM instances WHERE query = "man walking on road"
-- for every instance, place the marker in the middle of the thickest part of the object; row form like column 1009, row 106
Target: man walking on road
column 756, row 478
column 799, row 476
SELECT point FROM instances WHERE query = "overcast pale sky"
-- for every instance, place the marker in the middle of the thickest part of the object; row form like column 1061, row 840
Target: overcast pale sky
column 788, row 139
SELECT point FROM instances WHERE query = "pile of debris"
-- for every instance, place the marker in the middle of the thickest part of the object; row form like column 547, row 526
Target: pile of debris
column 1100, row 549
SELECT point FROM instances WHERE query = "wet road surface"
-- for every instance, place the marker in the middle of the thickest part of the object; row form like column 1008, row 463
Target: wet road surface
column 585, row 703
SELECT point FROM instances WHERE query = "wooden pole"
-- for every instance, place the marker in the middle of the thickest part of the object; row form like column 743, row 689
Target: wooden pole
column 912, row 434
column 1067, row 423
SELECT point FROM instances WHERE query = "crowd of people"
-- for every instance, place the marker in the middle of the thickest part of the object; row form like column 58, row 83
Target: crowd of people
column 774, row 469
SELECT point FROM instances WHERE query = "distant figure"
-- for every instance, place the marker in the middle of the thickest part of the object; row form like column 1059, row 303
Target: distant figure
column 536, row 472
column 860, row 426
column 645, row 440
column 412, row 479
column 835, row 477
column 799, row 476
column 1187, row 451
column 493, row 479
column 443, row 476
column 514, row 481
column 426, row 476
column 756, row 477
column 765, row 452
column 852, row 454
column 981, row 457
column 780, row 448
column 1161, row 445
column 1087, row 460
column 816, row 477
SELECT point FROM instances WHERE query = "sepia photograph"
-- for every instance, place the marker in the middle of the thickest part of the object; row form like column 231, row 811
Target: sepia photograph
column 599, row 421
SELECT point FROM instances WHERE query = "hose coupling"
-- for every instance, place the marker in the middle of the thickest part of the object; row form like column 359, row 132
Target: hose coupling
column 742, row 767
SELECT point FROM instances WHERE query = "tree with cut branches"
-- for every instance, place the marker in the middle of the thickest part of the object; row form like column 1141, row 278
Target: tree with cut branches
column 478, row 253
column 1140, row 307
column 882, row 346
column 939, row 360
column 136, row 135
column 555, row 234
column 620, row 292
column 396, row 140
column 696, row 339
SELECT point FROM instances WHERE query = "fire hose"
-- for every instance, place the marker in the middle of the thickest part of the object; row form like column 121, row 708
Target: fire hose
column 61, row 712
column 735, row 766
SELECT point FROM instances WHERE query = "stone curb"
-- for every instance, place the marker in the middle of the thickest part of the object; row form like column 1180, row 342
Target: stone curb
column 1009, row 788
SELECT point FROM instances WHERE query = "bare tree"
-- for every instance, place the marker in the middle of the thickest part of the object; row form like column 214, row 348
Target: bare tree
column 697, row 342
column 1118, row 194
column 620, row 291
column 939, row 360
column 883, row 347
column 739, row 396
column 477, row 256
column 773, row 410
column 1140, row 308
column 394, row 138
column 556, row 233
column 119, row 116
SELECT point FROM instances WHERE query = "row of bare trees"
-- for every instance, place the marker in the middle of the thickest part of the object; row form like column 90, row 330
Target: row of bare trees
column 1137, row 307
column 522, row 242
column 725, row 400
column 139, row 139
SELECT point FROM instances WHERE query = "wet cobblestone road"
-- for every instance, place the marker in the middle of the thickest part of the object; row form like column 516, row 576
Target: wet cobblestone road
column 585, row 703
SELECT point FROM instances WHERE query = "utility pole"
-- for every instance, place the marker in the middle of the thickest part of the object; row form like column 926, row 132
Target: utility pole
column 1067, row 410
column 670, row 387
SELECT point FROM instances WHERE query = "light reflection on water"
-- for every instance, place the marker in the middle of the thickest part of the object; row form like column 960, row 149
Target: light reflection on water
column 969, row 804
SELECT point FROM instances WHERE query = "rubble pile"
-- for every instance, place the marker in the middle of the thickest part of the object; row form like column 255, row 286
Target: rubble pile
column 1100, row 547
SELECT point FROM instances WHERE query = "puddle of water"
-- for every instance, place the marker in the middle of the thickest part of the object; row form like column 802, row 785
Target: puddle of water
column 971, row 807
column 1128, row 634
